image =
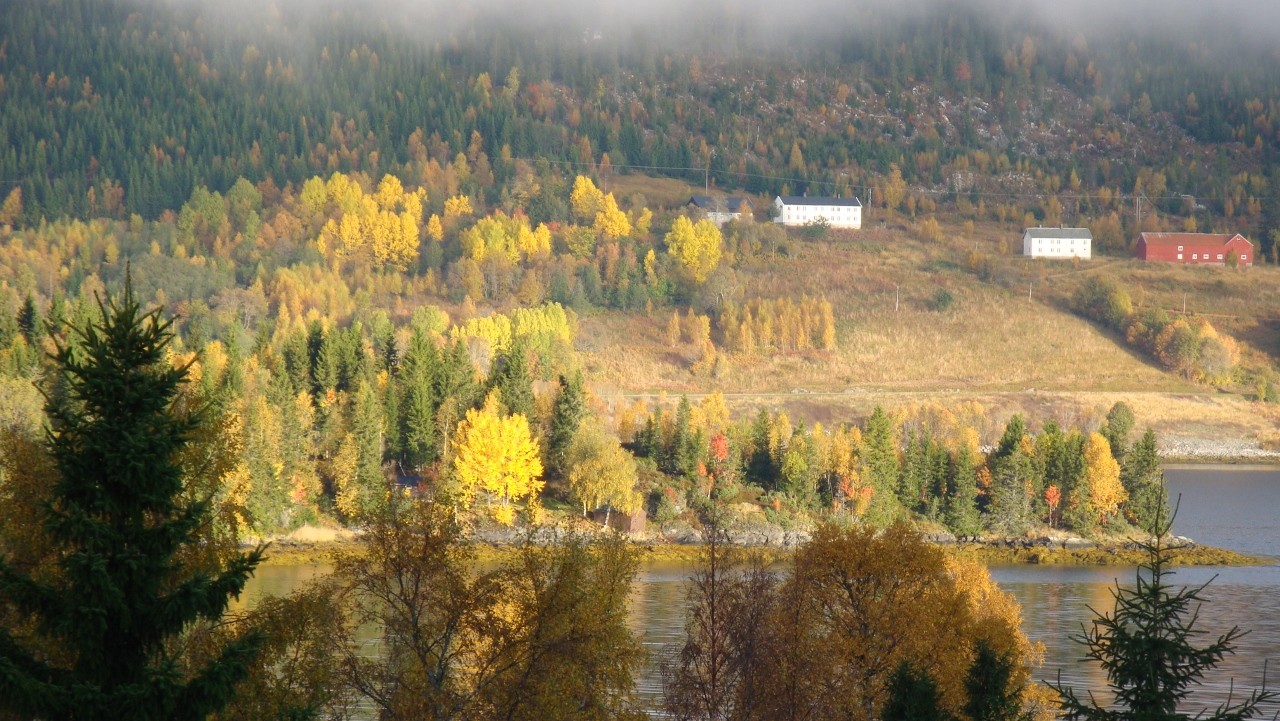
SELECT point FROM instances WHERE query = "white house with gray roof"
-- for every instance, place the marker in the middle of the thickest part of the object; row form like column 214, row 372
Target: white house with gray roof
column 1057, row 243
column 803, row 210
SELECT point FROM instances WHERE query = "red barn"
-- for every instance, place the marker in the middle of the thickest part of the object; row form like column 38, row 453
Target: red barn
column 1195, row 248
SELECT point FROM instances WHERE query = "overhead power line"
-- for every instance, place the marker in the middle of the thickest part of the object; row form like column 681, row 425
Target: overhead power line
column 927, row 191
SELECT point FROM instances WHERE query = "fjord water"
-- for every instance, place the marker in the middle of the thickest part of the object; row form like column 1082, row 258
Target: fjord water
column 1231, row 507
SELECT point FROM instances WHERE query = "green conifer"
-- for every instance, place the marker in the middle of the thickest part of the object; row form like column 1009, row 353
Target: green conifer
column 119, row 524
column 511, row 376
column 962, row 502
column 1147, row 648
column 990, row 695
column 913, row 696
column 569, row 410
column 879, row 462
column 1144, row 481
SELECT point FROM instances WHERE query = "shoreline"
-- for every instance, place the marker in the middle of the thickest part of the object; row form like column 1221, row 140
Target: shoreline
column 1175, row 451
column 1019, row 551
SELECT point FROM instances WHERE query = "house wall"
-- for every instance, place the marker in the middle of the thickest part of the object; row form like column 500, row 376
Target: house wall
column 837, row 216
column 1056, row 247
column 720, row 218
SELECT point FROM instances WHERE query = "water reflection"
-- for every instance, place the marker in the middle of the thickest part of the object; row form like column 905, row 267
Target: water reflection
column 1229, row 508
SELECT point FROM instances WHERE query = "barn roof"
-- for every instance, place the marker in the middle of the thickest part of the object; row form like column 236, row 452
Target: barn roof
column 1190, row 238
column 819, row 200
column 1061, row 233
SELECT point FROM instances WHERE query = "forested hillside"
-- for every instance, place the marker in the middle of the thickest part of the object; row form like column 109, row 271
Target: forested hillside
column 115, row 107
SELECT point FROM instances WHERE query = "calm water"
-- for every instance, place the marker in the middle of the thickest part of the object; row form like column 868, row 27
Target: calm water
column 1228, row 507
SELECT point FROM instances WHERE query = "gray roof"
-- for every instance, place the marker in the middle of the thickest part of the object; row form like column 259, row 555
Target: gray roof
column 731, row 204
column 818, row 200
column 1063, row 233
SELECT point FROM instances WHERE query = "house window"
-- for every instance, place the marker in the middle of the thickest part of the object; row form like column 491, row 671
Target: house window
column 1219, row 256
column 1195, row 257
column 1243, row 256
column 1179, row 248
column 1179, row 256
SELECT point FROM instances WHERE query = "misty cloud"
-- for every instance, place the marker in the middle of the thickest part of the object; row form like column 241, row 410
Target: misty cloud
column 620, row 21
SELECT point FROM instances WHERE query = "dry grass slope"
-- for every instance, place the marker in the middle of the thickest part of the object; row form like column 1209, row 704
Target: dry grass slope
column 993, row 345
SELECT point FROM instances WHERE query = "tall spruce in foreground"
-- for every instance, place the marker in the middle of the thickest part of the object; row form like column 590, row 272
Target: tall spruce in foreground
column 1146, row 646
column 116, row 519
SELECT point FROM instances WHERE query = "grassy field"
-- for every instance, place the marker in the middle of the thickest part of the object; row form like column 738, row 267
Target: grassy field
column 1007, row 342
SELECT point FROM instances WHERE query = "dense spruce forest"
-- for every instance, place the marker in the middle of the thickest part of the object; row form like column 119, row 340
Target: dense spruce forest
column 114, row 107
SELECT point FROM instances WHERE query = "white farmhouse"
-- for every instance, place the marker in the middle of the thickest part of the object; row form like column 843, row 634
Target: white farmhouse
column 1057, row 243
column 802, row 210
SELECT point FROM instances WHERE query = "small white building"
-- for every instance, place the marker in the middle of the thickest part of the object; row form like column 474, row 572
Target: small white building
column 1057, row 243
column 803, row 209
column 721, row 210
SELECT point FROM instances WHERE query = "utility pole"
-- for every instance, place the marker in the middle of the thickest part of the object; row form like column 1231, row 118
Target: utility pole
column 895, row 299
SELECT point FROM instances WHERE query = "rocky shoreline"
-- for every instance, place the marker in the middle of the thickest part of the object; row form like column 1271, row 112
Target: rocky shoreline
column 1191, row 449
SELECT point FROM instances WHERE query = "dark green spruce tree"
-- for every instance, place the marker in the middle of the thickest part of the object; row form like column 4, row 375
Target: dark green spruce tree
column 961, row 507
column 120, row 594
column 913, row 696
column 991, row 696
column 1143, row 479
column 567, row 414
column 511, row 376
column 1147, row 647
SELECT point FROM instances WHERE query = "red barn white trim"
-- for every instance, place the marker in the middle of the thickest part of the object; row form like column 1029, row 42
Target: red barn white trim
column 1195, row 248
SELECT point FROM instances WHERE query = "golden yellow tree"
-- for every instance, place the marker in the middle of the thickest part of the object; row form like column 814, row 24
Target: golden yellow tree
column 673, row 329
column 457, row 207
column 496, row 453
column 610, row 221
column 435, row 229
column 855, row 605
column 585, row 199
column 696, row 246
column 11, row 210
column 642, row 221
column 894, row 188
column 383, row 226
column 827, row 325
column 344, row 468
column 1102, row 477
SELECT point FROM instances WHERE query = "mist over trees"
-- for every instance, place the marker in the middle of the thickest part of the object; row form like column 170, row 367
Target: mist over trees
column 954, row 96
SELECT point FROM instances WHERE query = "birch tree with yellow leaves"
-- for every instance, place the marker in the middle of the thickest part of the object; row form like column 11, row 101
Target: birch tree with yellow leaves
column 601, row 472
column 610, row 221
column 508, row 236
column 382, row 226
column 585, row 199
column 696, row 246
column 496, row 454
column 1102, row 478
